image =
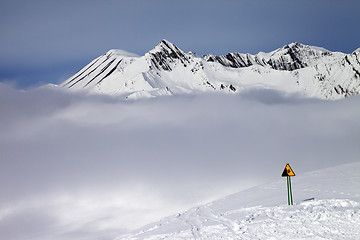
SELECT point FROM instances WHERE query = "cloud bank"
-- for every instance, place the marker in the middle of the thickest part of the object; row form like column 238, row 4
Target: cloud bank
column 93, row 167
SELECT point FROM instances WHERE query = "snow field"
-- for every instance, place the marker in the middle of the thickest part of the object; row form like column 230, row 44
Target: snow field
column 326, row 206
column 311, row 219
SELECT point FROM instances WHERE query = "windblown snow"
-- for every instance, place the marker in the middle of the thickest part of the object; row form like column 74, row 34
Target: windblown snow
column 326, row 206
column 167, row 70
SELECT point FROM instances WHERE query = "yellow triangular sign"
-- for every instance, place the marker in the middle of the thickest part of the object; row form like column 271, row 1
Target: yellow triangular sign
column 287, row 171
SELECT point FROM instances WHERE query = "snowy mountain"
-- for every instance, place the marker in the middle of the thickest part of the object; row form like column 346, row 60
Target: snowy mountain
column 167, row 70
column 326, row 206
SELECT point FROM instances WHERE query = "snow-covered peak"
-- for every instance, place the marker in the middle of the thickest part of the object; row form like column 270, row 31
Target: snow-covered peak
column 296, row 45
column 289, row 57
column 166, row 53
column 296, row 48
column 297, row 51
column 121, row 53
column 296, row 56
column 165, row 44
column 167, row 47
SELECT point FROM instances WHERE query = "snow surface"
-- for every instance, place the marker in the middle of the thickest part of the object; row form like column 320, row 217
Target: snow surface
column 326, row 206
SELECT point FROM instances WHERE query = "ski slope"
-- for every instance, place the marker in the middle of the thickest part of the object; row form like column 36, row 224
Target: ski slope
column 326, row 206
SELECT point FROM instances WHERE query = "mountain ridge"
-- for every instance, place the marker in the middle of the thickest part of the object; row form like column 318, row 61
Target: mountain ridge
column 167, row 70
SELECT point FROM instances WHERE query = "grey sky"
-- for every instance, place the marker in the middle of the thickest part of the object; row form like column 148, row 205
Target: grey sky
column 48, row 41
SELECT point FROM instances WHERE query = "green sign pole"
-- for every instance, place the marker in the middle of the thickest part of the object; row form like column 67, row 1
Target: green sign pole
column 287, row 185
column 290, row 191
column 287, row 173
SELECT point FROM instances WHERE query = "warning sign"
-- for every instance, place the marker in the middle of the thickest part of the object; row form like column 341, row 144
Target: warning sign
column 287, row 171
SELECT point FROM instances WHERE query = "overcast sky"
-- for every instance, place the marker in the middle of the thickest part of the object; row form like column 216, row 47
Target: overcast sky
column 46, row 41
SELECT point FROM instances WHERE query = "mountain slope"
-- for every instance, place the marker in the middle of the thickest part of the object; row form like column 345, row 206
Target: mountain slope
column 167, row 70
column 326, row 206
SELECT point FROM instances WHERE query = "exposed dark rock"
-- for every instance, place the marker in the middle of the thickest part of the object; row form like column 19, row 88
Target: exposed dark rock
column 101, row 71
column 110, row 72
column 88, row 72
column 232, row 88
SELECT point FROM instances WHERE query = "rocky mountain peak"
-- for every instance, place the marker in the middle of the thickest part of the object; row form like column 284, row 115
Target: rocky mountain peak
column 294, row 45
column 166, row 52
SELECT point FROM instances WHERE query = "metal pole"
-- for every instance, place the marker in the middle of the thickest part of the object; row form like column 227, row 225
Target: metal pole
column 290, row 191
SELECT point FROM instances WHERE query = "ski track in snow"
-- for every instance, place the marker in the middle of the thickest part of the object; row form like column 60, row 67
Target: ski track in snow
column 310, row 219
